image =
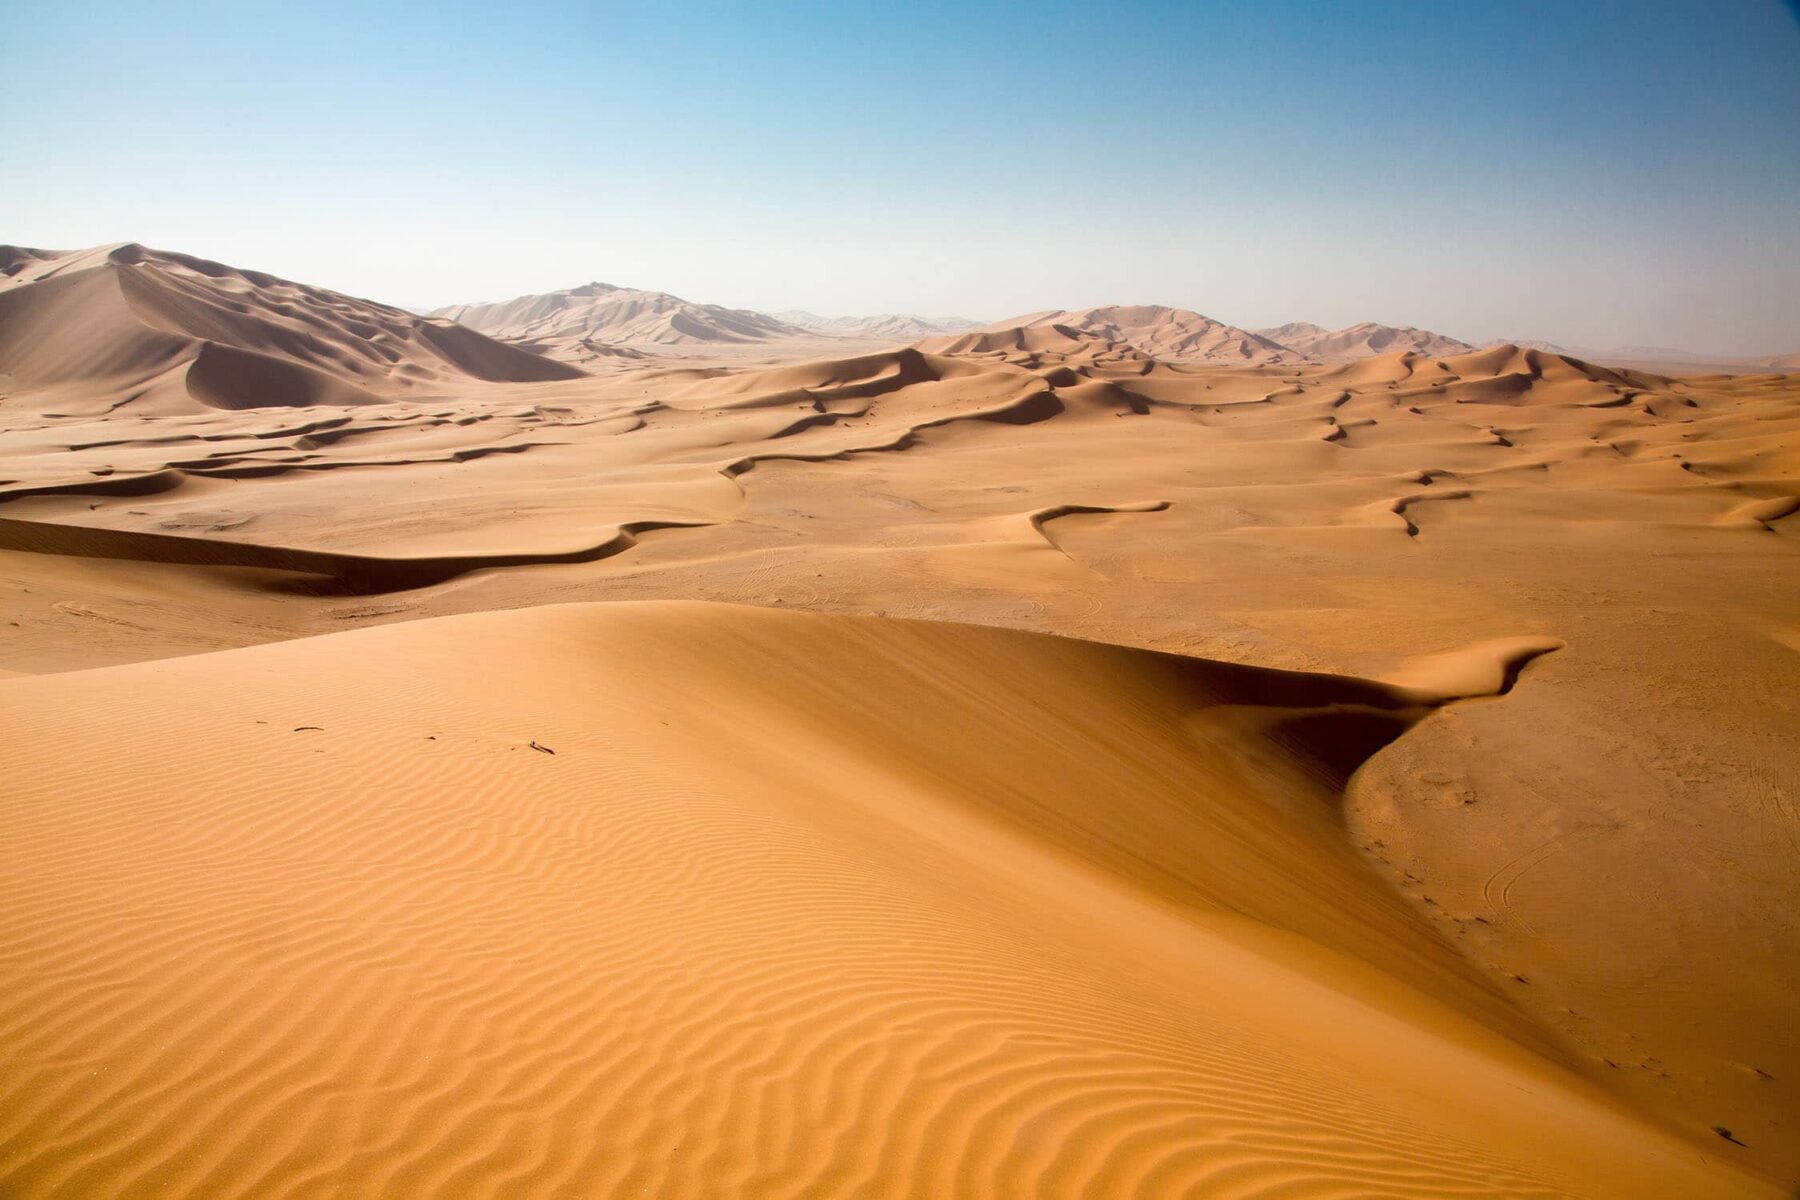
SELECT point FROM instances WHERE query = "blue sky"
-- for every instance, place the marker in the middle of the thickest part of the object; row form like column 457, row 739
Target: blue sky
column 1598, row 174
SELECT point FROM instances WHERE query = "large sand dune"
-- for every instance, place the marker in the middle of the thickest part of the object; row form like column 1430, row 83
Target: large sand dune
column 596, row 325
column 1413, row 815
column 100, row 330
column 685, row 900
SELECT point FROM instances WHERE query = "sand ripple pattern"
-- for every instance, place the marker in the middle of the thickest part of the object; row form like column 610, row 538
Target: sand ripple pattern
column 706, row 948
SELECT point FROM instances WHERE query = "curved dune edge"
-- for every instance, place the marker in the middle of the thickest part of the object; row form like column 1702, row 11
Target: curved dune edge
column 355, row 574
column 689, row 900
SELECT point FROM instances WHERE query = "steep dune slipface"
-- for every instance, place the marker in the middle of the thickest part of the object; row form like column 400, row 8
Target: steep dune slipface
column 97, row 330
column 684, row 899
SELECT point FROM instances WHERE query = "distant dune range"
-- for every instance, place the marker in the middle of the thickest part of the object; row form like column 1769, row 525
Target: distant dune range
column 898, row 327
column 1362, row 341
column 615, row 314
column 597, row 323
column 1169, row 334
column 1405, row 807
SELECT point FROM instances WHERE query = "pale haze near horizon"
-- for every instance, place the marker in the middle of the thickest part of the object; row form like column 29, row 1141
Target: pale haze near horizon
column 1625, row 175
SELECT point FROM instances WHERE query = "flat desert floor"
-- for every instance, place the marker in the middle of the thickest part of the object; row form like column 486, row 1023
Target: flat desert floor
column 1016, row 767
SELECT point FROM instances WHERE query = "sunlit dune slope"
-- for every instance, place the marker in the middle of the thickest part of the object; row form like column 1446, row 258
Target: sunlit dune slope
column 690, row 900
column 99, row 330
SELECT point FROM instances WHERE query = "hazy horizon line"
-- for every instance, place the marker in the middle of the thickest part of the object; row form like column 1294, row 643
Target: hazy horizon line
column 1574, row 345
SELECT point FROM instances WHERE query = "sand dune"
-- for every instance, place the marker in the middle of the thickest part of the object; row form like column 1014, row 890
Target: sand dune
column 1030, row 345
column 598, row 324
column 1170, row 334
column 615, row 316
column 605, row 329
column 97, row 330
column 669, row 899
column 834, row 903
column 1361, row 341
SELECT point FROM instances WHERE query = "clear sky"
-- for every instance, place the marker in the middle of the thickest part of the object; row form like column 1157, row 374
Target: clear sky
column 1595, row 173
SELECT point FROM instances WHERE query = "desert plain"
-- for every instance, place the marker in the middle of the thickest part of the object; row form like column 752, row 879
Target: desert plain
column 594, row 745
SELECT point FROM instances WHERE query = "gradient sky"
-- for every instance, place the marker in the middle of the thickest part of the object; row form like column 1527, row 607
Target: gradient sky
column 1597, row 174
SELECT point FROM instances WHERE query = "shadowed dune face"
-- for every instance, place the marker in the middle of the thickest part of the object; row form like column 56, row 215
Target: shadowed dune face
column 1034, row 855
column 626, row 898
column 222, row 376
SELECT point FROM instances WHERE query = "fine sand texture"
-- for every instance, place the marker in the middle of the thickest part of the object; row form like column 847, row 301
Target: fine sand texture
column 694, row 900
column 1095, row 755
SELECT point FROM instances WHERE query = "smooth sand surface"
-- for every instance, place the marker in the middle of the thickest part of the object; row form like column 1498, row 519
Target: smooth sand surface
column 688, row 899
column 799, row 898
